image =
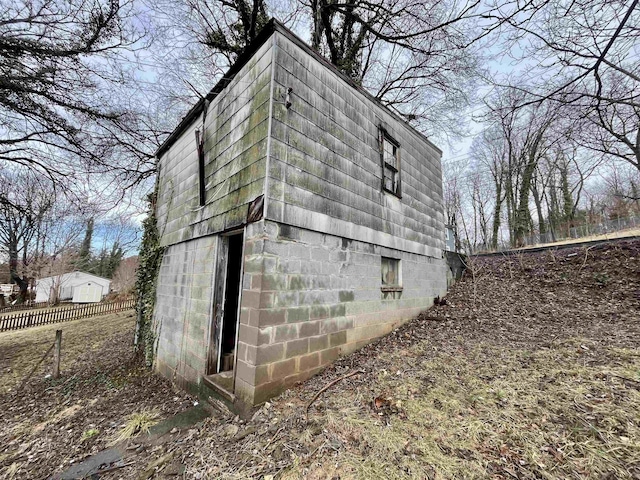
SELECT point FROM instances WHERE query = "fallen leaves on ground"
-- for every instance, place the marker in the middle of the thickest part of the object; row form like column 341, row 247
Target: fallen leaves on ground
column 530, row 371
column 51, row 424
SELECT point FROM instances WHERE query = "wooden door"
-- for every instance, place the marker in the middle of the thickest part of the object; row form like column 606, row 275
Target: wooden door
column 218, row 305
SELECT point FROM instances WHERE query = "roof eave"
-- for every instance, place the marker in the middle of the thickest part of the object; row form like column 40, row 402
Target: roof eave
column 272, row 26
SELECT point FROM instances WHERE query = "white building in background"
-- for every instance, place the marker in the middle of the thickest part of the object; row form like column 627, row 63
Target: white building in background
column 79, row 287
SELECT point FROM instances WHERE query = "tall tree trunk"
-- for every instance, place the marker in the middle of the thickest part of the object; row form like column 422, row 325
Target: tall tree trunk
column 567, row 199
column 553, row 208
column 542, row 228
column 495, row 228
column 13, row 269
column 510, row 208
column 522, row 214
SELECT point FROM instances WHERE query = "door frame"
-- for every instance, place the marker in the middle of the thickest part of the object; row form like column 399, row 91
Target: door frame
column 238, row 313
column 216, row 323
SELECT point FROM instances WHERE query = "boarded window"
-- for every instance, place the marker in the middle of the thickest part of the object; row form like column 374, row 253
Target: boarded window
column 390, row 164
column 390, row 272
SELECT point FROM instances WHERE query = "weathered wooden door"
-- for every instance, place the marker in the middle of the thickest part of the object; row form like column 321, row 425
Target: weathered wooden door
column 226, row 302
column 218, row 305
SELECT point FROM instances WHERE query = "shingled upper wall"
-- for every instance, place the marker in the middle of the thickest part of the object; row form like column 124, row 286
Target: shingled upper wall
column 325, row 171
column 236, row 133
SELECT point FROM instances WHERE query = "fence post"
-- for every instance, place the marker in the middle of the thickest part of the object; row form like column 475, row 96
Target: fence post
column 56, row 354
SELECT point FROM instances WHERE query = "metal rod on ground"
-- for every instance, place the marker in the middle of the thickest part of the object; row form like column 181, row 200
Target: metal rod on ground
column 56, row 354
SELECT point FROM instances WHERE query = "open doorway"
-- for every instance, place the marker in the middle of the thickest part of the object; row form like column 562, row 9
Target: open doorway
column 224, row 334
column 231, row 301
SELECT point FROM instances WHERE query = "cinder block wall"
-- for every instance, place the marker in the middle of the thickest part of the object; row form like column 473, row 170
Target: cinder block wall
column 183, row 310
column 309, row 297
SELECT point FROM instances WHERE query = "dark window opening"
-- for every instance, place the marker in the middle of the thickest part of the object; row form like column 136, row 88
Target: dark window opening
column 390, row 270
column 390, row 152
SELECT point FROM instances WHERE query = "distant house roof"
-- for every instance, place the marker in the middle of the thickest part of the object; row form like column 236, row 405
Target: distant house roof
column 272, row 26
column 71, row 273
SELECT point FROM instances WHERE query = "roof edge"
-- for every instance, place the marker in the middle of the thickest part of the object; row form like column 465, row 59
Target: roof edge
column 271, row 27
column 76, row 271
column 242, row 60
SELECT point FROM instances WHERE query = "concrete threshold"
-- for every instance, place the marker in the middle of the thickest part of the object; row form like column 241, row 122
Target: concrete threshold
column 222, row 384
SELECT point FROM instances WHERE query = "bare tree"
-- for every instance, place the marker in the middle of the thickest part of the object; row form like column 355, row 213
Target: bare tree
column 490, row 151
column 582, row 56
column 419, row 58
column 124, row 278
column 64, row 108
column 27, row 202
column 610, row 127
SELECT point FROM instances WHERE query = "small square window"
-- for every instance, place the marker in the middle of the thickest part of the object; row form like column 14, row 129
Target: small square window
column 390, row 152
column 390, row 269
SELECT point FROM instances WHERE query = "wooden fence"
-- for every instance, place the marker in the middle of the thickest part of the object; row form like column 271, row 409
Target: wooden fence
column 28, row 306
column 64, row 314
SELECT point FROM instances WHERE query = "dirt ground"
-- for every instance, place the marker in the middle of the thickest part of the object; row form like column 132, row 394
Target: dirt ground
column 531, row 370
column 51, row 423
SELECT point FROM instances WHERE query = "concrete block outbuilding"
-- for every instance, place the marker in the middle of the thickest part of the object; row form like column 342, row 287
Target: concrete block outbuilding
column 301, row 220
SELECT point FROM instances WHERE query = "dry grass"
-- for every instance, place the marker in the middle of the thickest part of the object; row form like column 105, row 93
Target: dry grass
column 137, row 423
column 53, row 423
column 548, row 413
column 20, row 350
column 532, row 371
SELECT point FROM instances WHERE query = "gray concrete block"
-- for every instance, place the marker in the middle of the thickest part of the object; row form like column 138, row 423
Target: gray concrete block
column 320, row 254
column 320, row 342
column 329, row 355
column 274, row 282
column 299, row 282
column 289, row 266
column 346, row 296
column 309, row 328
column 338, row 338
column 319, row 311
column 285, row 299
column 279, row 249
column 275, row 316
column 295, row 348
column 309, row 361
column 283, row 368
column 285, row 332
column 297, row 314
column 311, row 268
column 329, row 325
column 266, row 354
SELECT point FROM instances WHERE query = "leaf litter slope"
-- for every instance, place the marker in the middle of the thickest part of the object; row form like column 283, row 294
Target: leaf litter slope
column 531, row 370
column 536, row 376
column 51, row 423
